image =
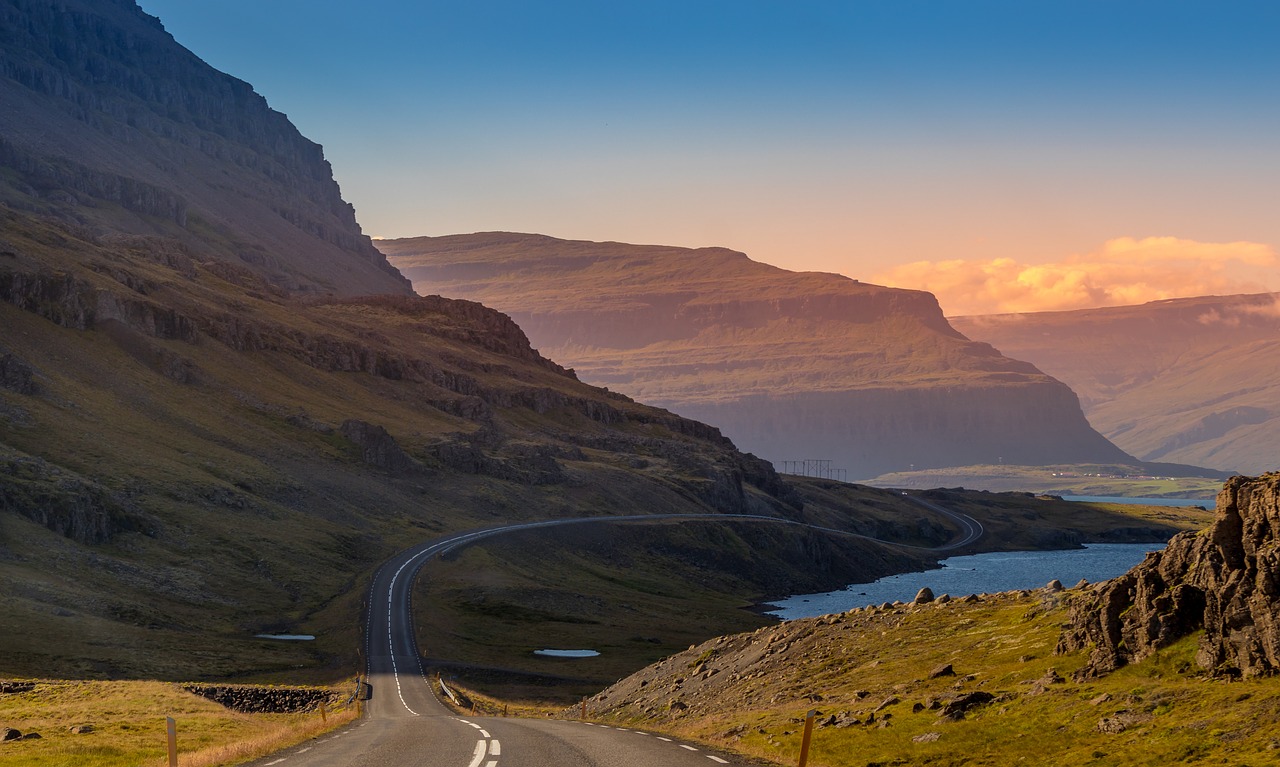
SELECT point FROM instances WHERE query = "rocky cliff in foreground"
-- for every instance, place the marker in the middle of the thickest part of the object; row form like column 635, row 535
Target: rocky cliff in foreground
column 1224, row 580
column 790, row 365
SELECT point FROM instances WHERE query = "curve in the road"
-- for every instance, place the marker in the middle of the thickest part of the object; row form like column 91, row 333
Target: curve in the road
column 414, row 728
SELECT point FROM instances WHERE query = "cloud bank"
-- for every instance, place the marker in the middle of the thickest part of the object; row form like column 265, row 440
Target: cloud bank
column 1124, row 271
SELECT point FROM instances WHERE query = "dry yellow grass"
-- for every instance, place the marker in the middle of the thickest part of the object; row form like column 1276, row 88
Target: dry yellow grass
column 128, row 721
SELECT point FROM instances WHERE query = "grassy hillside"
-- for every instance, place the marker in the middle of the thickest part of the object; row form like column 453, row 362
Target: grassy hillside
column 190, row 458
column 880, row 682
column 628, row 592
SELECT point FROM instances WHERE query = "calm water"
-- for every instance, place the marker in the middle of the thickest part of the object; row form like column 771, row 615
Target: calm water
column 977, row 574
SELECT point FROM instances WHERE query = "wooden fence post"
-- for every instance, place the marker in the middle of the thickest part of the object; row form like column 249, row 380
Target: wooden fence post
column 171, row 728
column 808, row 735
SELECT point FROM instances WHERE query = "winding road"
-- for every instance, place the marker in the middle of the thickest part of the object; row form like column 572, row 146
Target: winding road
column 407, row 726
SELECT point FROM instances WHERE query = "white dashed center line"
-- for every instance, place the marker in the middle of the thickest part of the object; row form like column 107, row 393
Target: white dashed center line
column 495, row 748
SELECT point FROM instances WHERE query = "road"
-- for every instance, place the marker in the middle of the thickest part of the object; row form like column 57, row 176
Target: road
column 406, row 726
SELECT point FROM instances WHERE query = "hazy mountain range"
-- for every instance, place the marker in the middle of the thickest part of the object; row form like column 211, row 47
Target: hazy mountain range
column 791, row 365
column 1188, row 380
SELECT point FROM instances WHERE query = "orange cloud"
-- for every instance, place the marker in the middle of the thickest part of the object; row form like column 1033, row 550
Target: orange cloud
column 1124, row 271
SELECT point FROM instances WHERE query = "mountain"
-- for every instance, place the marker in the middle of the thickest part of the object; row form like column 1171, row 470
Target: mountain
column 791, row 365
column 1188, row 380
column 208, row 431
column 112, row 126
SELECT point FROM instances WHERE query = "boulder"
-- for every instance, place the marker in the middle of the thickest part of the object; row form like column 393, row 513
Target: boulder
column 944, row 670
column 956, row 707
column 923, row 597
column 8, row 733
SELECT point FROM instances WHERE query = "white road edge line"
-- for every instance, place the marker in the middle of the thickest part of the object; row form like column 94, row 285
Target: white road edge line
column 666, row 739
column 717, row 759
column 275, row 762
column 691, row 748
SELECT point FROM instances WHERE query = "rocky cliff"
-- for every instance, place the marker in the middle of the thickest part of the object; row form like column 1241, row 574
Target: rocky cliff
column 1224, row 581
column 110, row 124
column 790, row 365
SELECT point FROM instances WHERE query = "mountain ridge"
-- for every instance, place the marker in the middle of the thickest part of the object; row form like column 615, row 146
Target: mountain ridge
column 789, row 364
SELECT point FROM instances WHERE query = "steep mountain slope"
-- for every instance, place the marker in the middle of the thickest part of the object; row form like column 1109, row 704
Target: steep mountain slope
column 790, row 365
column 188, row 459
column 1186, row 380
column 108, row 123
column 205, row 435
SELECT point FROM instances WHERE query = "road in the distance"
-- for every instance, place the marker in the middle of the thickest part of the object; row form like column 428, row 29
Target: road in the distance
column 406, row 726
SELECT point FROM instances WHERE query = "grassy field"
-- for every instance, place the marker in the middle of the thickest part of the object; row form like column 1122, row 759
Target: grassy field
column 868, row 676
column 1058, row 480
column 128, row 726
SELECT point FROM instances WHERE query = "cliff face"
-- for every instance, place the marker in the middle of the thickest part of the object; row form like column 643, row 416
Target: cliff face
column 790, row 365
column 110, row 124
column 1188, row 380
column 1224, row 580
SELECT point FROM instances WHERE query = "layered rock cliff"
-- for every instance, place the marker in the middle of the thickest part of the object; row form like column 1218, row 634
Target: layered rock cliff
column 1224, row 581
column 110, row 124
column 790, row 365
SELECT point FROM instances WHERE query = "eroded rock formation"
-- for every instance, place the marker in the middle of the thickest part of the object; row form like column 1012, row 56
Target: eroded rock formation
column 1225, row 580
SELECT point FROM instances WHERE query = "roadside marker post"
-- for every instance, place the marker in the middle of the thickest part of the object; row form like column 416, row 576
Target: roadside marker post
column 808, row 735
column 583, row 714
column 171, row 727
column 324, row 712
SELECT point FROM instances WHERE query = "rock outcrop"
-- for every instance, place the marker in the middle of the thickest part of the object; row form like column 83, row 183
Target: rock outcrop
column 1224, row 580
column 64, row 502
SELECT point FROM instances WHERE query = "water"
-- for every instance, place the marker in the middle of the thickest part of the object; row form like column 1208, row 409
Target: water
column 567, row 653
column 1208, row 504
column 290, row 637
column 977, row 574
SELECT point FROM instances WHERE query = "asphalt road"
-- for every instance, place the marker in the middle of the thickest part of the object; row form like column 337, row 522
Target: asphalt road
column 406, row 726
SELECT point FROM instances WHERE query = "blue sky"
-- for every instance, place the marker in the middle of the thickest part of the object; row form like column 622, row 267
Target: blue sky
column 857, row 137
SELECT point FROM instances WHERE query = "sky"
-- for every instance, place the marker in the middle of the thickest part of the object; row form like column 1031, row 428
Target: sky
column 1019, row 155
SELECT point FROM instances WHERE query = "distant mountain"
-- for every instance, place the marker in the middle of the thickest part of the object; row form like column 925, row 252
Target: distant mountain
column 790, row 365
column 107, row 123
column 1189, row 380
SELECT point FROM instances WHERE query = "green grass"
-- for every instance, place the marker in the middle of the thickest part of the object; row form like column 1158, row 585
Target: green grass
column 1170, row 711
